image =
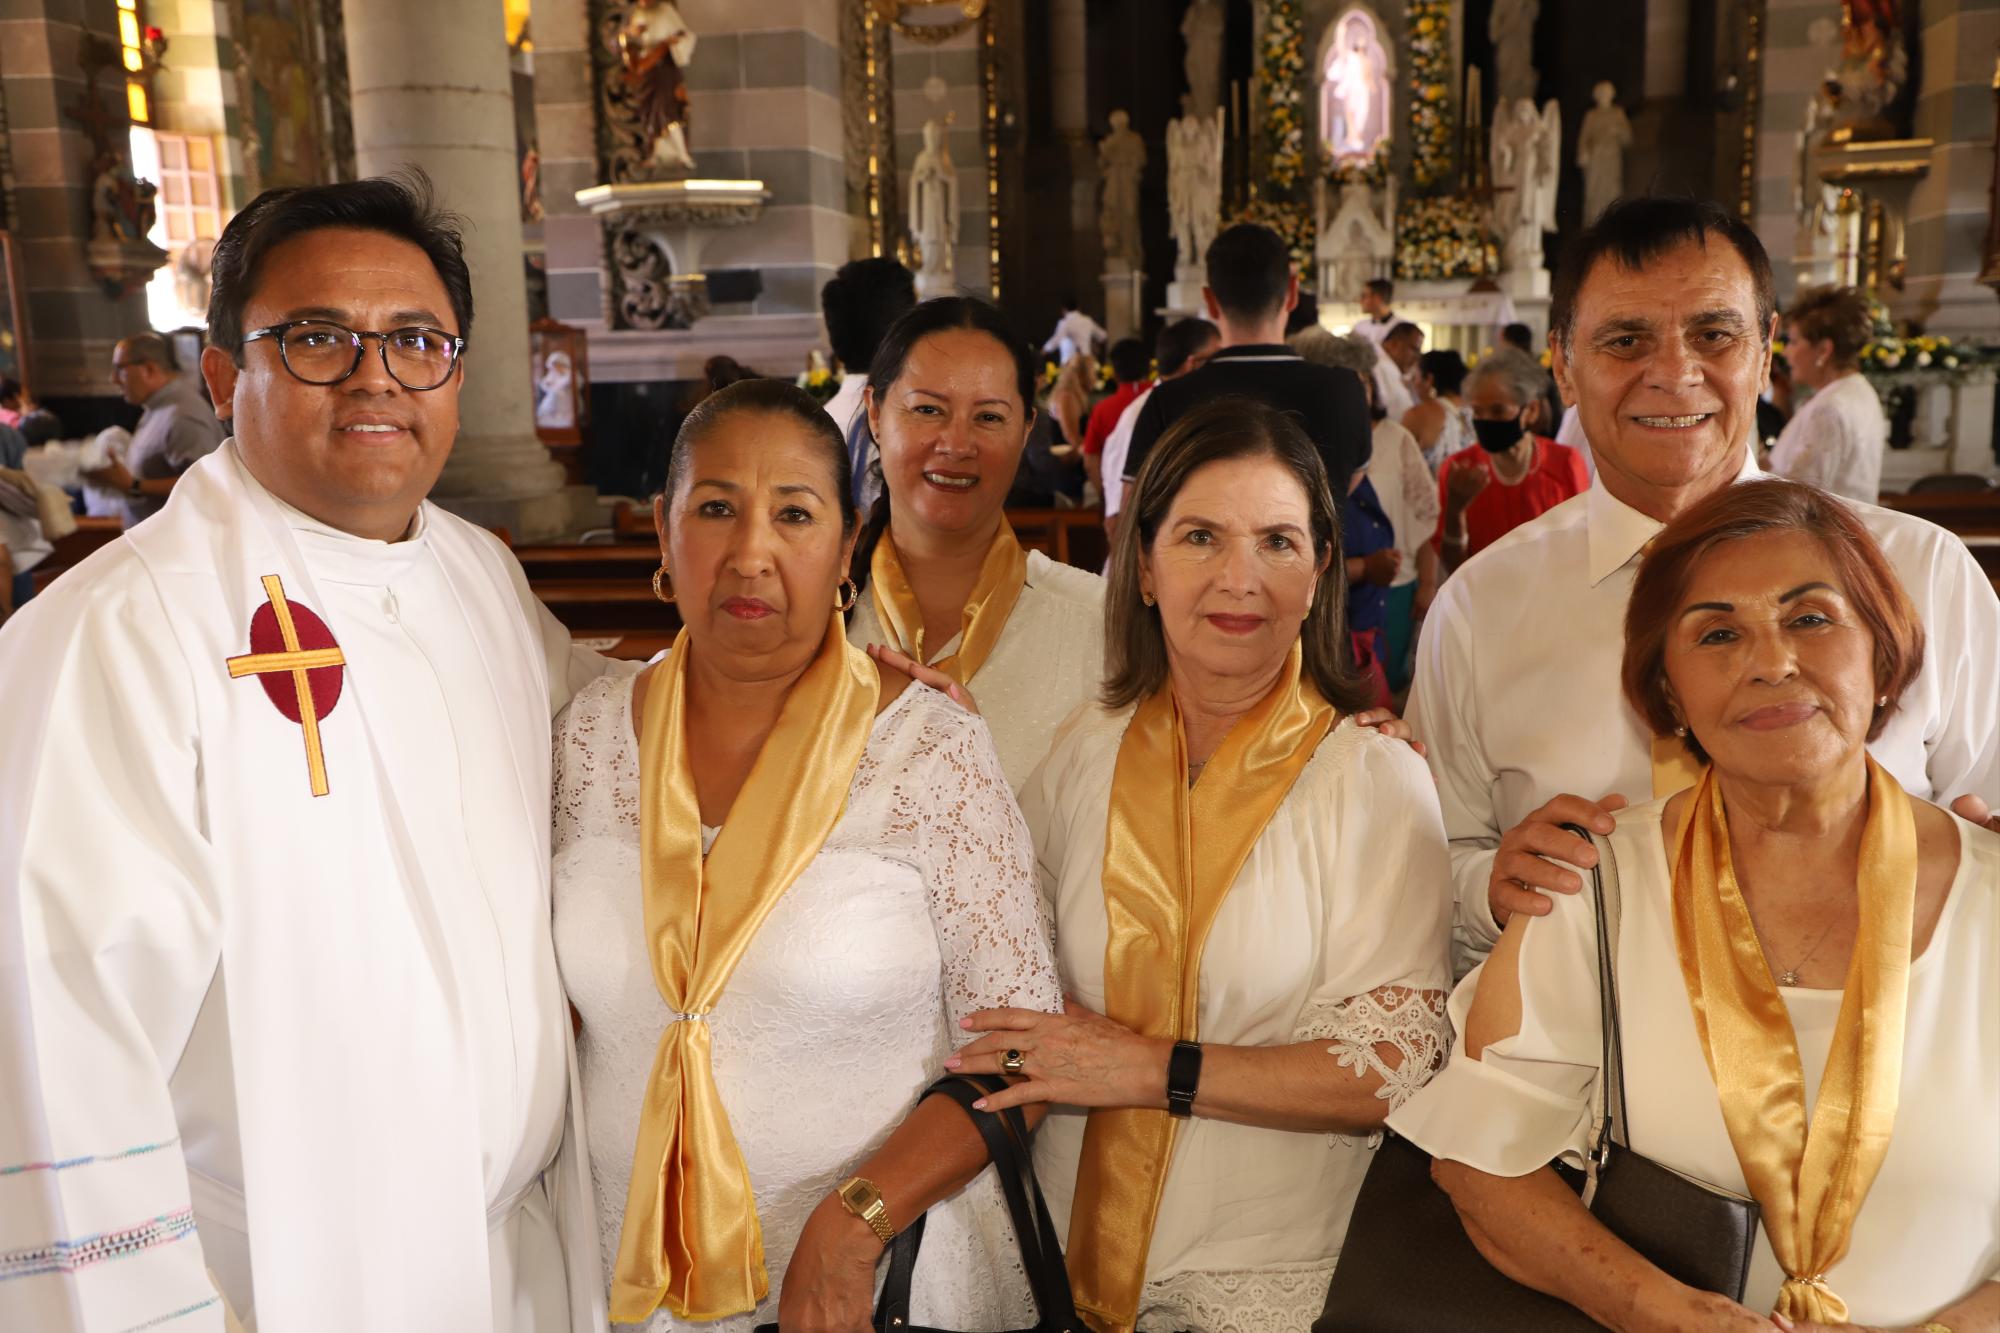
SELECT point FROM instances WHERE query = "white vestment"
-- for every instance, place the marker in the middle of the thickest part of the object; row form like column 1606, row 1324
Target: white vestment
column 369, row 1126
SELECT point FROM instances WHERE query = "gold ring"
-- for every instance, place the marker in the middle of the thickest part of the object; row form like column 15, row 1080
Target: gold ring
column 1013, row 1061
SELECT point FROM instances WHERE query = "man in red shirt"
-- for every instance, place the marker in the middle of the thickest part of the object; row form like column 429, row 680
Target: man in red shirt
column 1511, row 475
column 1130, row 363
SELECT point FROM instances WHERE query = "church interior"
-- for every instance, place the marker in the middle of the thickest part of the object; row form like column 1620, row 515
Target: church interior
column 637, row 238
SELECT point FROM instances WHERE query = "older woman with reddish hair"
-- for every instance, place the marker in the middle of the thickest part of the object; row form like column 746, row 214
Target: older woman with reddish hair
column 1807, row 966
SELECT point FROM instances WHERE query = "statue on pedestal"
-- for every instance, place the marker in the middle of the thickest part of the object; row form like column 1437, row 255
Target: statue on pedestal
column 1511, row 28
column 1600, row 151
column 1527, row 161
column 655, row 46
column 1121, row 160
column 1194, row 186
column 1357, row 241
column 1202, row 30
column 934, row 214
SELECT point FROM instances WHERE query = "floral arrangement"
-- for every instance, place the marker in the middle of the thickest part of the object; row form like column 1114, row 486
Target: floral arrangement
column 1429, row 27
column 1889, row 350
column 1443, row 236
column 818, row 381
column 1281, row 64
column 1372, row 171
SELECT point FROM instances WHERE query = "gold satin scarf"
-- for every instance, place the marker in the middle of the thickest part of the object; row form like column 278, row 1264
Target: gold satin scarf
column 1001, row 579
column 1809, row 1181
column 691, row 1238
column 1171, row 854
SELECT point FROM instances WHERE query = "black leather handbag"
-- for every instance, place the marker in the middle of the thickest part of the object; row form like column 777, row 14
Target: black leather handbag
column 1408, row 1266
column 1006, row 1135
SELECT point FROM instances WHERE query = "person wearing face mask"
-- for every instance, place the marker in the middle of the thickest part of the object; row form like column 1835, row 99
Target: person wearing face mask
column 1510, row 475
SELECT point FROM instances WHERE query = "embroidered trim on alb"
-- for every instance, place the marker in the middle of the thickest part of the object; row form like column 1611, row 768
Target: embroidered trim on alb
column 181, row 1313
column 66, row 1256
column 139, row 1151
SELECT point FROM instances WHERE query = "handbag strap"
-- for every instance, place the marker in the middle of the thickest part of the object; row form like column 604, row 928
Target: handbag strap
column 1006, row 1136
column 1607, row 1100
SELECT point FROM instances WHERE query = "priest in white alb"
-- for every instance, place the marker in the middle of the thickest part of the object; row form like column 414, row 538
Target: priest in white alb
column 282, row 1043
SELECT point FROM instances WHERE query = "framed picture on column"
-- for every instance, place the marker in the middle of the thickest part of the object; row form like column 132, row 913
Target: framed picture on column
column 559, row 357
column 13, row 311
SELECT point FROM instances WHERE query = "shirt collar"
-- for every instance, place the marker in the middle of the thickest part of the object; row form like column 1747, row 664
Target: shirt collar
column 1618, row 531
column 1256, row 352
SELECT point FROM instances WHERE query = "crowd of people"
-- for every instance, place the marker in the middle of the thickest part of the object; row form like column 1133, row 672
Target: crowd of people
column 562, row 991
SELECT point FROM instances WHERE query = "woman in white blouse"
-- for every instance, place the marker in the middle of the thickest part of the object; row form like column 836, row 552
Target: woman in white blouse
column 943, row 581
column 774, row 894
column 1837, row 437
column 1252, row 896
column 1808, row 966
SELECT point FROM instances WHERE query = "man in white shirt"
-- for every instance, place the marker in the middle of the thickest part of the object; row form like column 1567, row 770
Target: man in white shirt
column 1075, row 332
column 860, row 303
column 1836, row 438
column 283, row 1037
column 1401, row 348
column 1377, row 314
column 1183, row 346
column 1663, row 312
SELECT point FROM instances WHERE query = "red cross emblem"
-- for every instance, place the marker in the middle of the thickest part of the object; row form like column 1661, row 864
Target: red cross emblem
column 293, row 656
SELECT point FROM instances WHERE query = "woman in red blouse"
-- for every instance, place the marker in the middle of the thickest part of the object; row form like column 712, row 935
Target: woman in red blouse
column 1511, row 475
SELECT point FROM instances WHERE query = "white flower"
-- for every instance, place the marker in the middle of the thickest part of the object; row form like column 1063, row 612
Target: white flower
column 1923, row 358
column 1892, row 359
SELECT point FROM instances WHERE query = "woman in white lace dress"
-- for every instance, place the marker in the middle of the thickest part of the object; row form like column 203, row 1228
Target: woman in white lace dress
column 774, row 897
column 1252, row 898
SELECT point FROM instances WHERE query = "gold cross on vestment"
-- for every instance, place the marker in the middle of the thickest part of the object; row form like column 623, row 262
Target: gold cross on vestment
column 300, row 662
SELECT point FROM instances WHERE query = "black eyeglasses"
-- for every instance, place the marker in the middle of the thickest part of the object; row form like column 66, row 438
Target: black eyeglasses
column 319, row 351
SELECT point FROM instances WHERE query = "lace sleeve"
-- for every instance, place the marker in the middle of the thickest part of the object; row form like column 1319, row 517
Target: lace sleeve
column 596, row 777
column 980, row 873
column 1410, row 1022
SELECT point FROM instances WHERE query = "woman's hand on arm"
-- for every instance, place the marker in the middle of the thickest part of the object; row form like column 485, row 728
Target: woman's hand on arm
column 1082, row 1058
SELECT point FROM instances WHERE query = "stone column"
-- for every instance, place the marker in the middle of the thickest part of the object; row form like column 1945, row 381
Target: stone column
column 432, row 89
column 70, row 322
column 1069, row 42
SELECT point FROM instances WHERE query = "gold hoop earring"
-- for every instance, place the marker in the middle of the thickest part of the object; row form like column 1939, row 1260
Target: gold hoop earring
column 853, row 595
column 666, row 594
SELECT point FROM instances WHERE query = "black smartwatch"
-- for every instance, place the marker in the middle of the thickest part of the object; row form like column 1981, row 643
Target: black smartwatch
column 1183, row 1078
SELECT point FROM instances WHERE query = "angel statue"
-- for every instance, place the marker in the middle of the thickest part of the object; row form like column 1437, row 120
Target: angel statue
column 1527, row 161
column 655, row 46
column 1194, row 186
column 934, row 213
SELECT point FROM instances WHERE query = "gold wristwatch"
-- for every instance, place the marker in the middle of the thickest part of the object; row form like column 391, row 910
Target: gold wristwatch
column 861, row 1198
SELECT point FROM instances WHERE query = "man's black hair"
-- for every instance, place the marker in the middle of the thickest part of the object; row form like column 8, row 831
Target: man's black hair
column 401, row 204
column 1249, row 270
column 1181, row 340
column 1128, row 360
column 1518, row 335
column 1382, row 287
column 860, row 302
column 1634, row 232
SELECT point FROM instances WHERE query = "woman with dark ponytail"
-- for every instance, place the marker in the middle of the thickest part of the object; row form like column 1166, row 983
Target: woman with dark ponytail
column 950, row 399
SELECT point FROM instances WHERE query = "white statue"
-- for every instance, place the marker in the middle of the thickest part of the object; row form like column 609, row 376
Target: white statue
column 555, row 400
column 654, row 47
column 1194, row 186
column 1121, row 160
column 1527, row 162
column 1358, row 241
column 934, row 213
column 1600, row 151
column 1351, row 109
column 1511, row 28
column 1202, row 30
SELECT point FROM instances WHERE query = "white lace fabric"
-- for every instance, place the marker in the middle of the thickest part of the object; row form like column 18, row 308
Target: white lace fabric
column 1410, row 1022
column 920, row 908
